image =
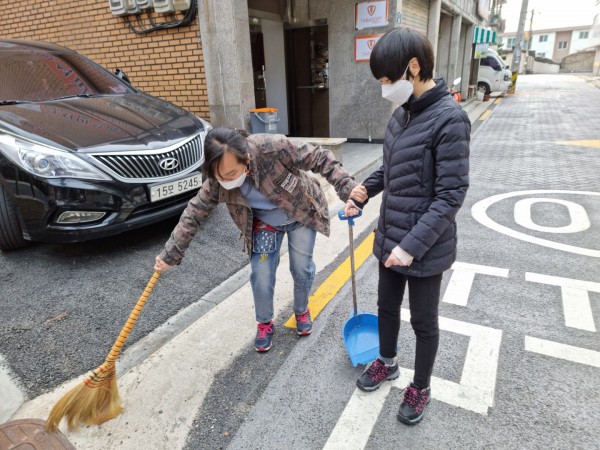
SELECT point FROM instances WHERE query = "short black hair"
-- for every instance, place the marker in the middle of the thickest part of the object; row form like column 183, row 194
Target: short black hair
column 220, row 140
column 394, row 50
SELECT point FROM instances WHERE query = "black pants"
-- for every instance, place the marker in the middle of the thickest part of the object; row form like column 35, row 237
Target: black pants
column 424, row 300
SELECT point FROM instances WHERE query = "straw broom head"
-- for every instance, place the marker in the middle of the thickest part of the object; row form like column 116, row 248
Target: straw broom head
column 92, row 402
column 97, row 400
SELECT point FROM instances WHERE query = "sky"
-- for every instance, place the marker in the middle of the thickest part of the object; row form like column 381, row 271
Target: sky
column 550, row 13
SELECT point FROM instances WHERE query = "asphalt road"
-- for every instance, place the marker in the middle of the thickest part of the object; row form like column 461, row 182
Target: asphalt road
column 62, row 306
column 519, row 359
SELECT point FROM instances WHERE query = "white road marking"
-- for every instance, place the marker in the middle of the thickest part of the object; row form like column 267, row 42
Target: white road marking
column 575, row 299
column 479, row 213
column 461, row 281
column 562, row 351
column 580, row 220
column 356, row 423
column 475, row 392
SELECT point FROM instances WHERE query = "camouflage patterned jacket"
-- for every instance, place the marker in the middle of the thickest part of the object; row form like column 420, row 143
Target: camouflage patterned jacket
column 277, row 166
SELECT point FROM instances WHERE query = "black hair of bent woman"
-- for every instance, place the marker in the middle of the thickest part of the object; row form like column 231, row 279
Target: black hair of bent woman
column 219, row 141
column 395, row 49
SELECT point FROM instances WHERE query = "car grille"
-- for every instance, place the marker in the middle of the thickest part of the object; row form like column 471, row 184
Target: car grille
column 142, row 166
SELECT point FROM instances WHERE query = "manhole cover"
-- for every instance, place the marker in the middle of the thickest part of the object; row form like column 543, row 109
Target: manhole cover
column 30, row 434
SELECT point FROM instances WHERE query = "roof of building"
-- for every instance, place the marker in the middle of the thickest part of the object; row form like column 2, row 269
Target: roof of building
column 551, row 30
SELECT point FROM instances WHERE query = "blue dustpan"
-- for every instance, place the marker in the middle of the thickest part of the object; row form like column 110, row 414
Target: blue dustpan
column 360, row 332
column 361, row 338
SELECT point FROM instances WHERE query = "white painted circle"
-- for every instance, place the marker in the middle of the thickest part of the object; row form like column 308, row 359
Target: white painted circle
column 479, row 213
column 579, row 218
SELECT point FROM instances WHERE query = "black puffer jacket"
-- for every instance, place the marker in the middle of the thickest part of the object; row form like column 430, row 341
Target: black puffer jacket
column 424, row 179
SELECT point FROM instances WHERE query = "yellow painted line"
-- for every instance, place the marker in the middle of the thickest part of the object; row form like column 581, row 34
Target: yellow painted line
column 498, row 100
column 334, row 282
column 485, row 115
column 589, row 143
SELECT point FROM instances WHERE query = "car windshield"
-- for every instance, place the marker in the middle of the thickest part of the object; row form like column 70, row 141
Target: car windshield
column 37, row 76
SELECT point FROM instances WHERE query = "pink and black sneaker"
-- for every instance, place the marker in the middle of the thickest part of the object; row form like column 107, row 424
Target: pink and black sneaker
column 413, row 406
column 264, row 336
column 375, row 374
column 303, row 323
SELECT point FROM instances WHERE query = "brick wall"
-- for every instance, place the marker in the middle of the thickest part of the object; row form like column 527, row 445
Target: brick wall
column 166, row 63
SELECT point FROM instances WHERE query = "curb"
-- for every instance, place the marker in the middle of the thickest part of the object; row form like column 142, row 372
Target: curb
column 475, row 124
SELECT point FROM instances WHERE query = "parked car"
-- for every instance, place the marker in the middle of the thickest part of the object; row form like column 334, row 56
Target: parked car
column 83, row 154
column 494, row 75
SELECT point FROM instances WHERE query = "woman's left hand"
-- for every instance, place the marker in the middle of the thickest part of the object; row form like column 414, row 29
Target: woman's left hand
column 359, row 193
column 398, row 257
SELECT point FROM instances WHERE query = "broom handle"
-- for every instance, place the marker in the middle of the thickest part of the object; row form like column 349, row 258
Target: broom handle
column 118, row 345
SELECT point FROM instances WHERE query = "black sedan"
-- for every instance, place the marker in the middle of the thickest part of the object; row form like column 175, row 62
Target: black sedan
column 83, row 154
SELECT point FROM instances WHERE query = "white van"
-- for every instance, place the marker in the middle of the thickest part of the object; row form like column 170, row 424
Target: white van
column 494, row 74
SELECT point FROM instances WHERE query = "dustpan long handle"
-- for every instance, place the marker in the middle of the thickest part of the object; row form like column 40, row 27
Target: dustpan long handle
column 350, row 220
column 351, row 235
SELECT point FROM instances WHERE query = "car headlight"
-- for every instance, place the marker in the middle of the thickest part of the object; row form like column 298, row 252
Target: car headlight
column 47, row 162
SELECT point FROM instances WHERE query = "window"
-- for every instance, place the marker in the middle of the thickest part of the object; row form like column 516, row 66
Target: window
column 541, row 55
column 562, row 45
column 492, row 62
column 510, row 43
column 584, row 34
column 54, row 75
column 544, row 38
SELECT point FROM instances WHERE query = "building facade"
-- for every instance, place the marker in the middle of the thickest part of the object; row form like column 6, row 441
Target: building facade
column 552, row 43
column 308, row 59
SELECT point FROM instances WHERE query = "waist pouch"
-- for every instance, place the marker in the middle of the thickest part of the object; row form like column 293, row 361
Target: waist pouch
column 264, row 238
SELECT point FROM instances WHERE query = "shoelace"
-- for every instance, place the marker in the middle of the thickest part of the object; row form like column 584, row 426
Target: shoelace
column 411, row 396
column 377, row 371
column 264, row 328
column 302, row 317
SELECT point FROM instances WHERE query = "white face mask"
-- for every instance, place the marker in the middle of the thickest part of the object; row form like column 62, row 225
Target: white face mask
column 233, row 183
column 398, row 92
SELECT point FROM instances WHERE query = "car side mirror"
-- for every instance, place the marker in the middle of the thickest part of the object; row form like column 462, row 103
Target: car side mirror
column 122, row 76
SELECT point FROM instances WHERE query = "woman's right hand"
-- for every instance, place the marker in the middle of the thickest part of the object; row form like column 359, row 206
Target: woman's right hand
column 160, row 265
column 350, row 210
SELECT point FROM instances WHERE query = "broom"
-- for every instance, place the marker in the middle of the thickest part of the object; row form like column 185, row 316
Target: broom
column 97, row 400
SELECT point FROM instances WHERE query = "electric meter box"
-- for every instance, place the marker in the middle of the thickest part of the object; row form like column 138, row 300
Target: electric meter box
column 144, row 4
column 123, row 7
column 163, row 6
column 181, row 5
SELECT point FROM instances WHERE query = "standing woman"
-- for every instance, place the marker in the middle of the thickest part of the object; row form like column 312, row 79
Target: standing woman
column 263, row 181
column 424, row 180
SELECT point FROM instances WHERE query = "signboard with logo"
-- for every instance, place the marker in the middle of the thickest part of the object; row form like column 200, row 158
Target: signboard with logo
column 481, row 50
column 371, row 14
column 363, row 45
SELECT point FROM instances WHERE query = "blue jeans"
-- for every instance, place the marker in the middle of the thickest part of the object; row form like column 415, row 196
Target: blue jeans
column 301, row 242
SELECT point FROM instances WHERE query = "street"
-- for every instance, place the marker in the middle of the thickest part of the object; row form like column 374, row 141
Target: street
column 519, row 357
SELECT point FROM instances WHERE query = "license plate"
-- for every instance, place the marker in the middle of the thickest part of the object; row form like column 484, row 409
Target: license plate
column 161, row 191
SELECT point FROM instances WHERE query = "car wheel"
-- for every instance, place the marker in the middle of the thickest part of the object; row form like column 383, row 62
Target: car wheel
column 11, row 233
column 486, row 87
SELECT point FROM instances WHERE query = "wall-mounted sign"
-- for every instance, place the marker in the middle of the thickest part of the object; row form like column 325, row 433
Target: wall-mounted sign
column 483, row 9
column 371, row 14
column 481, row 50
column 363, row 45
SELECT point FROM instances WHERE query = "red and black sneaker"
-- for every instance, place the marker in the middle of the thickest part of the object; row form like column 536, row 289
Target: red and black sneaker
column 264, row 336
column 303, row 323
column 413, row 406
